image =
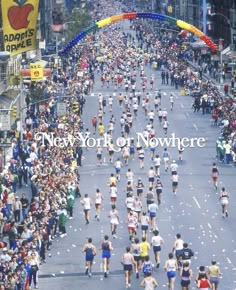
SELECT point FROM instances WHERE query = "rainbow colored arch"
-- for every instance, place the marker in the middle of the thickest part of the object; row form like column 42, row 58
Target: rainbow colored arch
column 155, row 16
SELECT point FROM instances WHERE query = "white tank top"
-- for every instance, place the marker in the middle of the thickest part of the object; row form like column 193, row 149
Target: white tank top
column 171, row 265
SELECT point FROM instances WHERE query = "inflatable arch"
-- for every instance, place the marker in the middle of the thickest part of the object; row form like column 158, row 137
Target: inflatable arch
column 155, row 16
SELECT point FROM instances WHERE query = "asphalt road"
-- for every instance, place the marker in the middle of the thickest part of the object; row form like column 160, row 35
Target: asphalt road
column 195, row 212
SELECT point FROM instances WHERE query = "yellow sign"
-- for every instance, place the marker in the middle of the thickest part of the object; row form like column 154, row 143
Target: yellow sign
column 169, row 9
column 19, row 21
column 36, row 71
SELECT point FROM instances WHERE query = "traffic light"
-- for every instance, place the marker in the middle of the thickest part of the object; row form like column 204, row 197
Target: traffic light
column 75, row 107
column 14, row 112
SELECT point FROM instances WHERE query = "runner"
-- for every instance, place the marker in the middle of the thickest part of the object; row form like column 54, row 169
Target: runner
column 94, row 123
column 141, row 155
column 170, row 267
column 99, row 156
column 144, row 249
column 90, row 252
column 151, row 174
column 214, row 174
column 127, row 260
column 113, row 193
column 159, row 188
column 98, row 201
column 140, row 188
column 106, row 247
column 86, row 202
column 114, row 220
column 166, row 158
column 157, row 164
column 171, row 102
column 175, row 181
column 135, row 249
column 137, row 207
column 130, row 176
column 156, row 244
column 144, row 224
column 186, row 254
column 149, row 283
column 178, row 248
column 152, row 209
column 214, row 275
column 118, row 164
column 224, row 199
column 173, row 167
column 149, row 197
column 186, row 275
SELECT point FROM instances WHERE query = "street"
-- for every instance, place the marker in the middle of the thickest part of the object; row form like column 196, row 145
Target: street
column 195, row 211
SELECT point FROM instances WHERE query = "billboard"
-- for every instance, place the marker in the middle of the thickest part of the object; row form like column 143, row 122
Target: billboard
column 19, row 21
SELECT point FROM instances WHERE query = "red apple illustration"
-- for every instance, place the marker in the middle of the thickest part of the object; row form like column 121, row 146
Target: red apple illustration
column 18, row 15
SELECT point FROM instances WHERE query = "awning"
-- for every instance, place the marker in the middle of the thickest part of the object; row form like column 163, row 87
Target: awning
column 199, row 44
column 226, row 51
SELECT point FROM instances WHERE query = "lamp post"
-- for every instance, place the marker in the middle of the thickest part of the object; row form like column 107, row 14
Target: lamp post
column 230, row 26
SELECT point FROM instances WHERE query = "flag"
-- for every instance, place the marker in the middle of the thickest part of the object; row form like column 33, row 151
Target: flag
column 19, row 21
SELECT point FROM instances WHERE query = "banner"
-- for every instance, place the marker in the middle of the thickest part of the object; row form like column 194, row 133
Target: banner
column 19, row 25
column 36, row 71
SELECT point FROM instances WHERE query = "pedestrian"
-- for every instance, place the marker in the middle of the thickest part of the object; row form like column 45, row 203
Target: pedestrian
column 214, row 274
column 90, row 251
column 149, row 282
column 141, row 155
column 171, row 267
column 118, row 164
column 17, row 208
column 99, row 155
column 25, row 203
column 34, row 267
column 113, row 193
column 156, row 243
column 98, row 201
column 106, row 247
column 186, row 275
column 224, row 199
column 127, row 260
column 149, row 197
column 86, row 202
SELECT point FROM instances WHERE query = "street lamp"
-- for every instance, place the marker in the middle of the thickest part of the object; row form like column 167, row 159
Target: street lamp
column 230, row 26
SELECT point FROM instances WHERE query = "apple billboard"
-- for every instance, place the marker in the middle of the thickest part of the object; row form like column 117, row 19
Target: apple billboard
column 19, row 25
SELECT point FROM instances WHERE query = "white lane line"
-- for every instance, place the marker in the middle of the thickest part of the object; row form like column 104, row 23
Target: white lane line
column 194, row 125
column 164, row 93
column 187, row 114
column 209, row 225
column 228, row 260
column 182, row 106
column 197, row 203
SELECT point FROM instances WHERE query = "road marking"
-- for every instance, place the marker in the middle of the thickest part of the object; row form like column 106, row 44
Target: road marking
column 164, row 93
column 197, row 203
column 209, row 225
column 194, row 125
column 182, row 106
column 187, row 114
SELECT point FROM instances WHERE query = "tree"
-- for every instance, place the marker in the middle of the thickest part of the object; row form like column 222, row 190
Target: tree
column 77, row 22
